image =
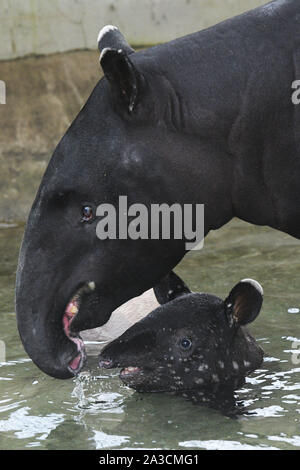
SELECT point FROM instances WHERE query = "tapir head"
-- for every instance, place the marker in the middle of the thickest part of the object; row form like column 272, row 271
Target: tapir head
column 68, row 280
column 195, row 342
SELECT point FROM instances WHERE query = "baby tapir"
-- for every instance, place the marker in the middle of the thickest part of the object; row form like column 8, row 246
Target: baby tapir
column 192, row 343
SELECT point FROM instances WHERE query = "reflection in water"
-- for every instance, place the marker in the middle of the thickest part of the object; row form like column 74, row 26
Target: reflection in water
column 95, row 411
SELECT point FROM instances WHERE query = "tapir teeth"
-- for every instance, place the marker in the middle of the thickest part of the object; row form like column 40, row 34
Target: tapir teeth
column 88, row 287
column 73, row 306
column 74, row 309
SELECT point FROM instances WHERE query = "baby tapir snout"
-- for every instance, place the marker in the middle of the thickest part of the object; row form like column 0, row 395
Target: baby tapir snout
column 136, row 346
column 191, row 342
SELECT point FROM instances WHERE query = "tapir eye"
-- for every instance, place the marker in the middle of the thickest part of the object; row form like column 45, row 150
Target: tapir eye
column 87, row 213
column 185, row 344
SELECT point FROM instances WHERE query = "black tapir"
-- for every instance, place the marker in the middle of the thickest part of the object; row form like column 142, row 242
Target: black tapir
column 193, row 344
column 205, row 119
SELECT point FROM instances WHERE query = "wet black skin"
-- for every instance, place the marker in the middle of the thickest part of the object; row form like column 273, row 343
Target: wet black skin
column 195, row 344
column 205, row 119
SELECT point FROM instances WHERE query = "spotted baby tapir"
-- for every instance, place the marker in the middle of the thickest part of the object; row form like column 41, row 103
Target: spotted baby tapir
column 194, row 344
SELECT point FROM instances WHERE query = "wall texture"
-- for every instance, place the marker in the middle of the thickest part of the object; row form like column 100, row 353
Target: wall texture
column 43, row 96
column 48, row 26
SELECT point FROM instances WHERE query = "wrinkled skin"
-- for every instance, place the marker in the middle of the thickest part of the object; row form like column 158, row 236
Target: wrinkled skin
column 195, row 345
column 205, row 119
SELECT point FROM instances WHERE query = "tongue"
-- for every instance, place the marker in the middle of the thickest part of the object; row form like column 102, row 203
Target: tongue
column 74, row 364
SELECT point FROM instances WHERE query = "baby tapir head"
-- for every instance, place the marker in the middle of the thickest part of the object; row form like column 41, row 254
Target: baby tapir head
column 191, row 342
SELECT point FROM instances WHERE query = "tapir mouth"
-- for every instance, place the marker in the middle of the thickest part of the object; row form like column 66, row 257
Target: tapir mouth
column 71, row 311
column 127, row 372
column 133, row 376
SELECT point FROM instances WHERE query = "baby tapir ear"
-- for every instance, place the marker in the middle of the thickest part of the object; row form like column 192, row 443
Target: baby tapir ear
column 124, row 78
column 244, row 302
column 170, row 287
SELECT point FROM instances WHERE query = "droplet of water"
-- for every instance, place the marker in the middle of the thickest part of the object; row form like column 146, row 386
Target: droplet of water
column 79, row 391
column 293, row 310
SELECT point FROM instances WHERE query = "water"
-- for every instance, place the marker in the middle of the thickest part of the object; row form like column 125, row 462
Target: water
column 96, row 411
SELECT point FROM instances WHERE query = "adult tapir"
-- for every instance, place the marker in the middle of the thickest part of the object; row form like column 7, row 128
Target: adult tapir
column 208, row 118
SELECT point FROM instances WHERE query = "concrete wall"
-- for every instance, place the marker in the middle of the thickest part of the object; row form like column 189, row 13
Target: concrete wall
column 49, row 26
column 43, row 97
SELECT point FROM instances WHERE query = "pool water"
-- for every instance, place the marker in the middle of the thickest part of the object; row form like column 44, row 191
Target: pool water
column 96, row 411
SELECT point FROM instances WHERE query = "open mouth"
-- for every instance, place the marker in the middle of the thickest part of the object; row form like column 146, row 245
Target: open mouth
column 127, row 372
column 71, row 310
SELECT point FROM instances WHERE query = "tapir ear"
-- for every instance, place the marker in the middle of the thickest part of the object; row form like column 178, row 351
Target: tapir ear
column 244, row 302
column 169, row 288
column 119, row 70
column 110, row 37
column 123, row 77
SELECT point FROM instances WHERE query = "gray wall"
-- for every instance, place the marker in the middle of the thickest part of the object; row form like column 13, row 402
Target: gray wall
column 48, row 26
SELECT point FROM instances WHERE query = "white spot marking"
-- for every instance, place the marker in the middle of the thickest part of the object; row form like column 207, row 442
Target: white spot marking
column 199, row 381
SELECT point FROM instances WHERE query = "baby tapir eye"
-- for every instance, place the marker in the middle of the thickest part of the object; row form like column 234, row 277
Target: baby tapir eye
column 185, row 344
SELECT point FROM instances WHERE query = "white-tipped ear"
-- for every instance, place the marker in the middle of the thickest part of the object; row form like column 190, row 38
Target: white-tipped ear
column 111, row 37
column 106, row 29
column 255, row 284
column 244, row 302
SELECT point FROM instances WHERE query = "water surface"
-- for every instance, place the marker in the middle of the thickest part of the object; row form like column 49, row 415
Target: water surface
column 96, row 411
